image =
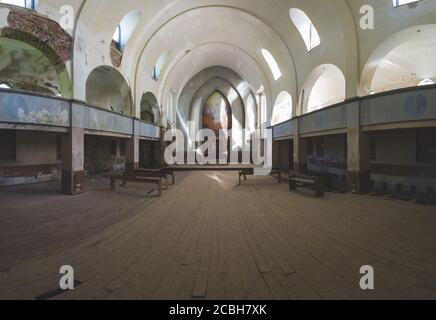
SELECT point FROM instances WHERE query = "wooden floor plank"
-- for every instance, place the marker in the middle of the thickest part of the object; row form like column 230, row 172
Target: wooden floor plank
column 208, row 238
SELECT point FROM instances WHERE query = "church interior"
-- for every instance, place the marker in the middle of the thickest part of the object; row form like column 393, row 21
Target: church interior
column 338, row 96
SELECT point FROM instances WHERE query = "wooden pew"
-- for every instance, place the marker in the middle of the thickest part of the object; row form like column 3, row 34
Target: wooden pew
column 250, row 172
column 125, row 179
column 151, row 174
column 313, row 183
column 168, row 172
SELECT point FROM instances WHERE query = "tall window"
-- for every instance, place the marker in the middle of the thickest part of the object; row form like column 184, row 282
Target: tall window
column 125, row 29
column 117, row 37
column 306, row 28
column 160, row 65
column 30, row 4
column 272, row 63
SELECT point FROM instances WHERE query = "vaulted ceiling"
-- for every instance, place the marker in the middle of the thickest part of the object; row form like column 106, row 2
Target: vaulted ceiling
column 198, row 34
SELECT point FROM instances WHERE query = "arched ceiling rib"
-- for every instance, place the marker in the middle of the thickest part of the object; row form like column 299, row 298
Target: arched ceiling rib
column 210, row 26
column 200, row 58
column 273, row 15
column 343, row 43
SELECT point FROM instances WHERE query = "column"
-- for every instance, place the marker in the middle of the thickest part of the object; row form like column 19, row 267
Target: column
column 73, row 155
column 159, row 150
column 358, row 172
column 300, row 150
column 132, row 153
column 276, row 154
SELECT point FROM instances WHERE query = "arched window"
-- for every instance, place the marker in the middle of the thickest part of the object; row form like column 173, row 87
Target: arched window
column 272, row 63
column 117, row 37
column 150, row 111
column 125, row 29
column 30, row 4
column 306, row 28
column 282, row 109
column 160, row 64
column 324, row 86
column 426, row 82
column 5, row 85
column 398, row 3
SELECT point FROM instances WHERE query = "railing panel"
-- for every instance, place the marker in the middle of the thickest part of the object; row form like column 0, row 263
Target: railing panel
column 324, row 120
column 146, row 130
column 101, row 120
column 284, row 130
column 34, row 110
column 402, row 106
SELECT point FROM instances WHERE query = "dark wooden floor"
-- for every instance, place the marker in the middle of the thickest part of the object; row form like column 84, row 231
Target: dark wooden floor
column 207, row 238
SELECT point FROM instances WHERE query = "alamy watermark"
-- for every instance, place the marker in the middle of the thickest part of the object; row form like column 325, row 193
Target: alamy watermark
column 367, row 282
column 67, row 280
column 226, row 147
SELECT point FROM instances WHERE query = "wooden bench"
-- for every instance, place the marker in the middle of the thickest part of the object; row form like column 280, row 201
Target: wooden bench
column 125, row 179
column 151, row 174
column 313, row 183
column 161, row 171
column 250, row 172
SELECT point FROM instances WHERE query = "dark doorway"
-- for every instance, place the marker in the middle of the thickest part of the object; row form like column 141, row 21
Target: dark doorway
column 147, row 154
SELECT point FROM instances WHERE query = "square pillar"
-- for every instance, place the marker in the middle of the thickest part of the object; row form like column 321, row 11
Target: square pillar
column 276, row 154
column 160, row 150
column 300, row 150
column 132, row 153
column 358, row 171
column 73, row 158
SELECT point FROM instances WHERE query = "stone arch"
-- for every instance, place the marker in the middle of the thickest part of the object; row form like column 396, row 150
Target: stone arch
column 325, row 86
column 235, row 101
column 242, row 95
column 150, row 111
column 27, row 68
column 402, row 60
column 106, row 88
column 283, row 108
column 49, row 41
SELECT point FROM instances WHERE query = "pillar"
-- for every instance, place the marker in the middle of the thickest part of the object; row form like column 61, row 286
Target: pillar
column 160, row 149
column 358, row 171
column 73, row 155
column 132, row 153
column 300, row 150
column 276, row 154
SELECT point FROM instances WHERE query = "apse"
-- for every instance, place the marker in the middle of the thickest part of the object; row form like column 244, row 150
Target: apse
column 217, row 114
column 212, row 84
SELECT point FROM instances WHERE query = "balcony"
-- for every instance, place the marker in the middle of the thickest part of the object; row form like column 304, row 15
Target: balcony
column 404, row 108
column 29, row 111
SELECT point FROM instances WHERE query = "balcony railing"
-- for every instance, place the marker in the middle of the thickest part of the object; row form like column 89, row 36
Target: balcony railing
column 22, row 108
column 31, row 109
column 403, row 105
